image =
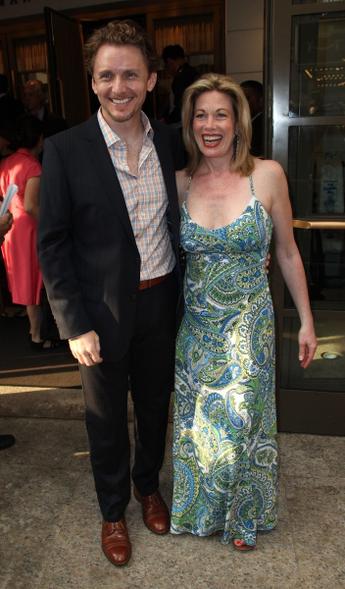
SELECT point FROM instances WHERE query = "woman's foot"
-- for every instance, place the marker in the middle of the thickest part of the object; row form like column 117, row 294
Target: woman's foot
column 242, row 546
column 44, row 344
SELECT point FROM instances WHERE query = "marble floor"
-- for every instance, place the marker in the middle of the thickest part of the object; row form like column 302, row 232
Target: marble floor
column 50, row 525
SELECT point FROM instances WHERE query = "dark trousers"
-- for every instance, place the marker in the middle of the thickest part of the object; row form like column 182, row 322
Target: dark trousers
column 148, row 368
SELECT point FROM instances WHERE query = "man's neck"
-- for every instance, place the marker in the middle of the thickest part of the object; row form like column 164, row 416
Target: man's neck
column 129, row 131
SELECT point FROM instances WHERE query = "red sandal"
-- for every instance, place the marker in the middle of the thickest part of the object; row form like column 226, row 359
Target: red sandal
column 241, row 545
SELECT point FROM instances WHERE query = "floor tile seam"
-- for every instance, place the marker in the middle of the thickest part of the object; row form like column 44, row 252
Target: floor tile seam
column 301, row 481
column 37, row 418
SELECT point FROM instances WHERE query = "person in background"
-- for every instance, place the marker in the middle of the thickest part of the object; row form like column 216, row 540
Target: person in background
column 6, row 140
column 253, row 91
column 10, row 108
column 225, row 448
column 183, row 75
column 35, row 102
column 20, row 243
column 108, row 243
column 6, row 221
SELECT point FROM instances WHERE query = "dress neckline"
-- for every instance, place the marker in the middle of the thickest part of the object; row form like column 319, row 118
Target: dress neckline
column 223, row 227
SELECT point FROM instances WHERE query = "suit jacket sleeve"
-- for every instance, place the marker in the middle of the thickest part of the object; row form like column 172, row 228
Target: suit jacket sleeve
column 55, row 240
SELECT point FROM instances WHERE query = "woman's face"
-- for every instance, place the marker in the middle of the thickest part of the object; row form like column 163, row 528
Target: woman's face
column 214, row 124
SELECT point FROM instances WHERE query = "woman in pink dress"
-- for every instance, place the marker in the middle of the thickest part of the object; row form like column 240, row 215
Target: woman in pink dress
column 19, row 247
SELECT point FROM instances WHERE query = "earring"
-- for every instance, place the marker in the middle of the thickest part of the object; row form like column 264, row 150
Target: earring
column 234, row 146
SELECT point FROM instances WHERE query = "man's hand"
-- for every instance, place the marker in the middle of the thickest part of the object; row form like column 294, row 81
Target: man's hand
column 5, row 223
column 86, row 348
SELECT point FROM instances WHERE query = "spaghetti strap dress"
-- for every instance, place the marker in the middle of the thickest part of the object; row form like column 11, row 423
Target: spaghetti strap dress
column 224, row 444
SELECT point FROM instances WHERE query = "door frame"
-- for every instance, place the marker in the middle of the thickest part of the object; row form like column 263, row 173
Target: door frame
column 300, row 411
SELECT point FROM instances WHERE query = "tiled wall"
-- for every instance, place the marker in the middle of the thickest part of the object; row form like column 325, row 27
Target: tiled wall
column 244, row 39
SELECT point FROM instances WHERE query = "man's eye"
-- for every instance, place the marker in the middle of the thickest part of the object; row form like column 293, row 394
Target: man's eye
column 106, row 76
column 131, row 75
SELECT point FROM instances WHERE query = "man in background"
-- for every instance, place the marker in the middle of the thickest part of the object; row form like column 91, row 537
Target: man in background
column 183, row 75
column 10, row 108
column 35, row 103
column 255, row 96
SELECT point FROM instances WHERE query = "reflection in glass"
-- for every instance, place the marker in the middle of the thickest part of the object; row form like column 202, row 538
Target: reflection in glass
column 313, row 1
column 327, row 371
column 323, row 255
column 316, row 172
column 317, row 65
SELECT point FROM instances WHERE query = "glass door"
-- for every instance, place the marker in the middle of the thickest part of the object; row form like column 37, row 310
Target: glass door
column 307, row 81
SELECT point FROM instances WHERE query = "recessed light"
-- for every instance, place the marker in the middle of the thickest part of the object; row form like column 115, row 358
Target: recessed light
column 330, row 355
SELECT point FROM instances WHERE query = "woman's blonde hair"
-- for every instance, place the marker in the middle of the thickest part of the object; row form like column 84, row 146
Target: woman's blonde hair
column 242, row 161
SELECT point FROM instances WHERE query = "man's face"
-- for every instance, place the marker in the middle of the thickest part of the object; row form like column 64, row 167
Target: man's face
column 33, row 98
column 254, row 100
column 171, row 66
column 121, row 80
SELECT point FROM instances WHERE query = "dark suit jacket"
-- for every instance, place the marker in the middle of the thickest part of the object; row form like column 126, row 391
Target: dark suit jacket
column 88, row 253
column 10, row 109
column 52, row 123
column 183, row 78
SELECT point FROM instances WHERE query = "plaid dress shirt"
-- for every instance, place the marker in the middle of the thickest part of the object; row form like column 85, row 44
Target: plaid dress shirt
column 146, row 200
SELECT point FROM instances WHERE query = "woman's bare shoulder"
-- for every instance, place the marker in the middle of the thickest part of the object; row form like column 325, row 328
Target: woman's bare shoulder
column 271, row 168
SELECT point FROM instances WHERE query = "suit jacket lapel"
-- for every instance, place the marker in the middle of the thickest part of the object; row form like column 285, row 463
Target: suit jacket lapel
column 167, row 164
column 104, row 168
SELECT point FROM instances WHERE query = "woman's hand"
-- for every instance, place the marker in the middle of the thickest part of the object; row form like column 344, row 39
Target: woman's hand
column 6, row 221
column 307, row 344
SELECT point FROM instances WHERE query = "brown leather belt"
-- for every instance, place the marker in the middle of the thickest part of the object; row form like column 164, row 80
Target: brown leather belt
column 153, row 281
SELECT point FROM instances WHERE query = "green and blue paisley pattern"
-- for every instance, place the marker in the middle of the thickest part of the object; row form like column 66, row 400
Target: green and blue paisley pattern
column 224, row 449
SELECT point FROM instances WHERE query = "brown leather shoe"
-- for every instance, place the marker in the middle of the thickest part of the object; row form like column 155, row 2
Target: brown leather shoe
column 155, row 512
column 115, row 542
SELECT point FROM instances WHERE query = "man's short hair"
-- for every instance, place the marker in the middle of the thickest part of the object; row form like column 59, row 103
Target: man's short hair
column 173, row 52
column 254, row 85
column 120, row 32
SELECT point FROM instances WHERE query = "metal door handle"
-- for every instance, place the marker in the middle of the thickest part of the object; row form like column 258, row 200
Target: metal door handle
column 314, row 224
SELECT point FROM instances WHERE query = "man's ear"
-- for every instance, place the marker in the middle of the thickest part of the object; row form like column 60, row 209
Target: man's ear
column 151, row 82
column 93, row 86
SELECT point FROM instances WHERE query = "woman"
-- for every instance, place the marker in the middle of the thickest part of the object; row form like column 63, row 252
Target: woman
column 19, row 248
column 225, row 449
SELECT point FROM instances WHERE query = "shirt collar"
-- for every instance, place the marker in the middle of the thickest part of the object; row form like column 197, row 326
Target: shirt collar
column 111, row 137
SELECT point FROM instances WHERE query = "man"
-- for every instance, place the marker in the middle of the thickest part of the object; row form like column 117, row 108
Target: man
column 6, row 221
column 183, row 75
column 108, row 241
column 35, row 104
column 254, row 94
column 10, row 108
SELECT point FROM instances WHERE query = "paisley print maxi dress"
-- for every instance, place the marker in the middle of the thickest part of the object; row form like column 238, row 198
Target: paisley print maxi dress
column 224, row 449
